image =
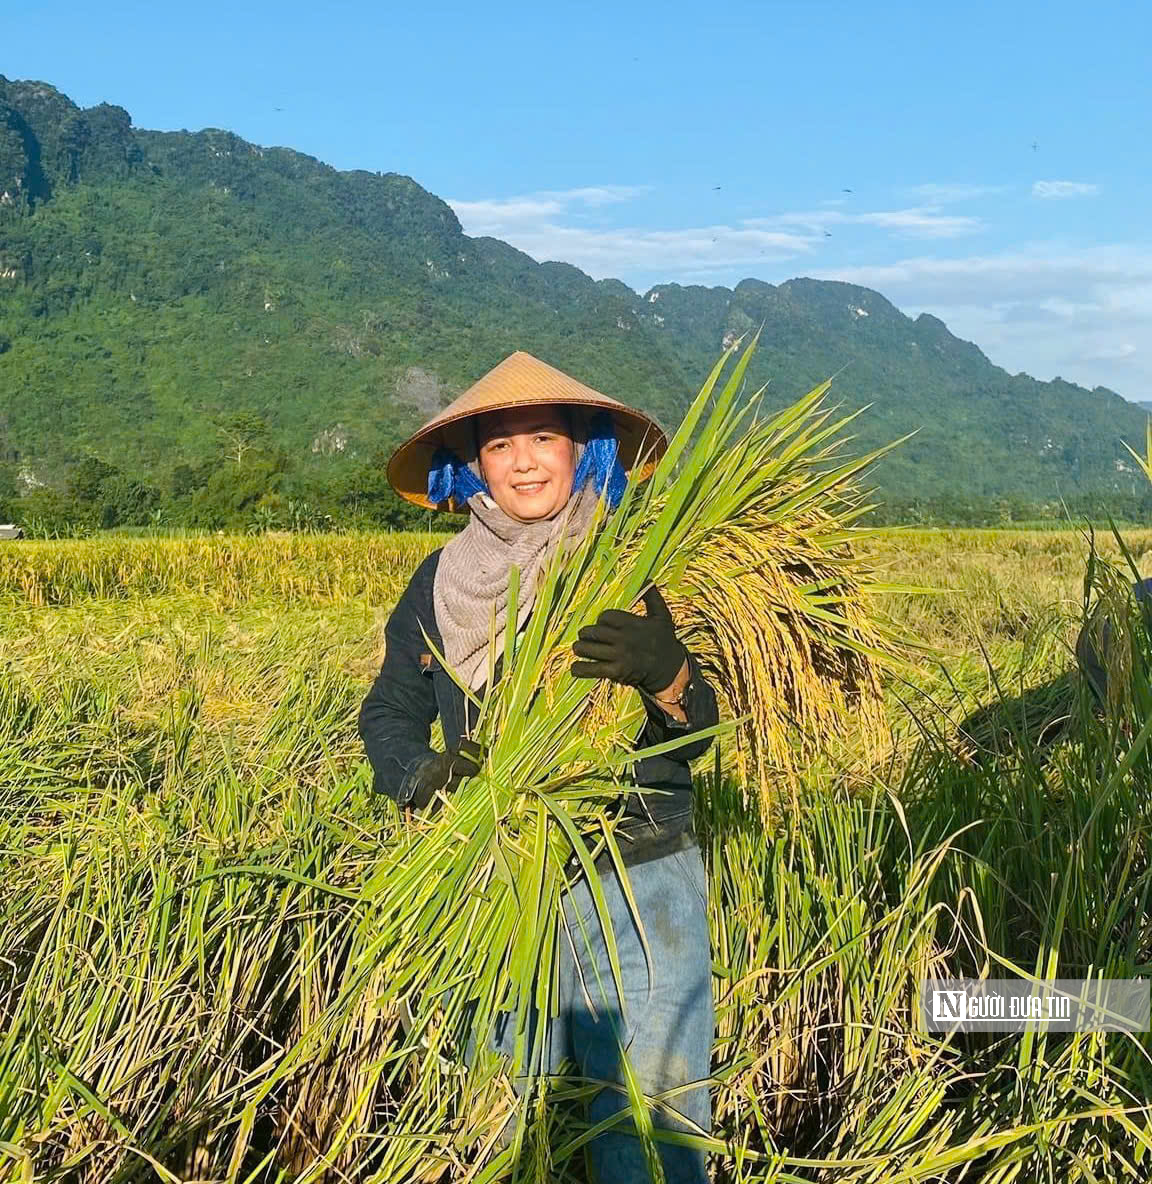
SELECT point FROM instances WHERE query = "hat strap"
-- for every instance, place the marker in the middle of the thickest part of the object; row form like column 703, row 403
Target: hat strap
column 450, row 477
column 601, row 460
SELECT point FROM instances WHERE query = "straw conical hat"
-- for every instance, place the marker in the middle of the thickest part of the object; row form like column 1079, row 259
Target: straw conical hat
column 519, row 381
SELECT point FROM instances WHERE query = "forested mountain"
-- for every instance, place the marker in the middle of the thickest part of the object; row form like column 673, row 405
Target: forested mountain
column 159, row 291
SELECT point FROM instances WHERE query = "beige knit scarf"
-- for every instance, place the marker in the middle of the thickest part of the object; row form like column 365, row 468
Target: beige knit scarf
column 472, row 575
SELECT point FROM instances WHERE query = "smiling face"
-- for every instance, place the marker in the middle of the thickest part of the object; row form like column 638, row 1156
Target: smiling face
column 527, row 458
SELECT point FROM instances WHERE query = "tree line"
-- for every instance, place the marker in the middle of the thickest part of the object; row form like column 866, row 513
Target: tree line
column 250, row 485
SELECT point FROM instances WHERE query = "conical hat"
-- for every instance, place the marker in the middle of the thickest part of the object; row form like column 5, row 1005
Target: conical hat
column 519, row 381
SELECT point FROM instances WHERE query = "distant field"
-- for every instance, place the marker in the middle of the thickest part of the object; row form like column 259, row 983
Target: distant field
column 1013, row 594
column 172, row 708
column 990, row 582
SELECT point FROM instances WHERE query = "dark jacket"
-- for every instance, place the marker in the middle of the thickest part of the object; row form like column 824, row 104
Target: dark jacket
column 412, row 689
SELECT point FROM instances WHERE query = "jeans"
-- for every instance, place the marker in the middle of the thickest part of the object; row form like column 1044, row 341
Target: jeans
column 667, row 1023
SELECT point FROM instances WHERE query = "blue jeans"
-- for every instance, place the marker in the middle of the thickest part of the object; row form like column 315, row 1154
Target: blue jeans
column 666, row 1023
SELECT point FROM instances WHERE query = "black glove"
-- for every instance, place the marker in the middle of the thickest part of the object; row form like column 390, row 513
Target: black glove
column 641, row 652
column 444, row 772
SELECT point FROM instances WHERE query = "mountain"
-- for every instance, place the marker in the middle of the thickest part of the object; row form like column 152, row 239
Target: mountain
column 155, row 283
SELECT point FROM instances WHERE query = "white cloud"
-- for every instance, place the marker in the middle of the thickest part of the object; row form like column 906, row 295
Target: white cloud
column 488, row 216
column 1111, row 353
column 600, row 195
column 1028, row 273
column 917, row 222
column 693, row 250
column 946, row 194
column 1048, row 309
column 568, row 225
column 492, row 215
column 922, row 223
column 562, row 224
column 1063, row 189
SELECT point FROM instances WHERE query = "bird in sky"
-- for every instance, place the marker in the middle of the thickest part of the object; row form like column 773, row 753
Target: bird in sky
column 717, row 187
column 277, row 108
column 1035, row 146
column 827, row 234
column 845, row 190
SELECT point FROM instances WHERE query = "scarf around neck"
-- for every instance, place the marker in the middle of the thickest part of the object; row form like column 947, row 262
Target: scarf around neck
column 472, row 575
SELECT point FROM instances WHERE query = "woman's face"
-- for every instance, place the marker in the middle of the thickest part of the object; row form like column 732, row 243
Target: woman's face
column 527, row 458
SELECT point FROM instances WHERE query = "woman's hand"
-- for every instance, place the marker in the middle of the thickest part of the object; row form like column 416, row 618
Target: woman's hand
column 641, row 652
column 444, row 772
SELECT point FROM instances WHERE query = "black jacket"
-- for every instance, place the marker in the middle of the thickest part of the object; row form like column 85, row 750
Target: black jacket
column 412, row 689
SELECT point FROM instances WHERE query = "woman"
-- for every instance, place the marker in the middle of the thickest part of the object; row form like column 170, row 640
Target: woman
column 528, row 449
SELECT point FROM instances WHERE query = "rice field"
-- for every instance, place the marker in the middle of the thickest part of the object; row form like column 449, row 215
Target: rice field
column 187, row 830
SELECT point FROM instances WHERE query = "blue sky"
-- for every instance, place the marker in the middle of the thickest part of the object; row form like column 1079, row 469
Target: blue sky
column 996, row 154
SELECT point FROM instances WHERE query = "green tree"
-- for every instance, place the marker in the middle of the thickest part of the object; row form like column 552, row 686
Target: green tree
column 363, row 495
column 227, row 500
column 241, row 433
column 124, row 501
column 9, row 493
column 86, row 479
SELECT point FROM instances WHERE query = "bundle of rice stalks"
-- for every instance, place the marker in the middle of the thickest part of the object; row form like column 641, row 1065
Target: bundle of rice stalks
column 746, row 525
column 774, row 603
